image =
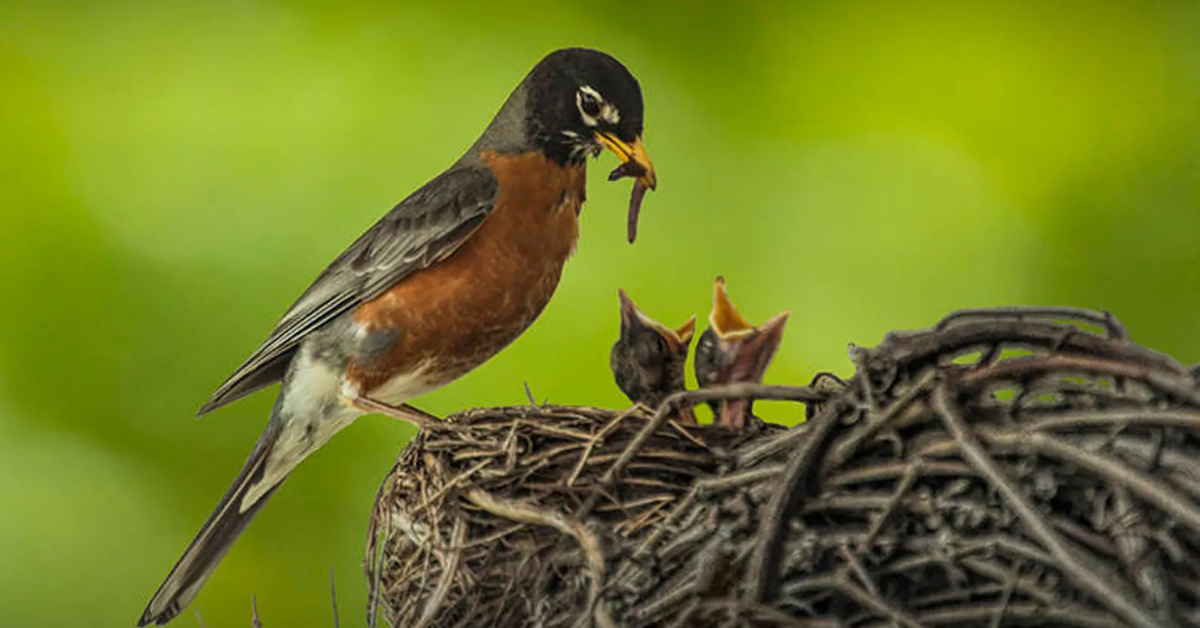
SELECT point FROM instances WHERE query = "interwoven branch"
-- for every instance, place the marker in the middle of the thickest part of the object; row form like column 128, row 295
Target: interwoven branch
column 1010, row 467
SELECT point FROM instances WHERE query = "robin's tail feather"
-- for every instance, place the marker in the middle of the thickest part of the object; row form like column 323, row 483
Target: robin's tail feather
column 222, row 528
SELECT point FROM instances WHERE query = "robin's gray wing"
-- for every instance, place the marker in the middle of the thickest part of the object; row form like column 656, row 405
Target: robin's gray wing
column 420, row 230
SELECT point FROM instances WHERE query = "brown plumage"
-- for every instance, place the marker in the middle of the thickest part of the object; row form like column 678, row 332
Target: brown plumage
column 462, row 311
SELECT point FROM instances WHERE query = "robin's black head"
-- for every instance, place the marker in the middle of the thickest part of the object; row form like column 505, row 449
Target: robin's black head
column 648, row 358
column 581, row 101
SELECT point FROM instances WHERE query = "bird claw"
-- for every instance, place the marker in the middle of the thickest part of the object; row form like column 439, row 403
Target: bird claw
column 404, row 412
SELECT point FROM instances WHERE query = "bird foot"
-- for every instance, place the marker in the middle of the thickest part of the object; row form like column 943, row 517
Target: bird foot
column 403, row 412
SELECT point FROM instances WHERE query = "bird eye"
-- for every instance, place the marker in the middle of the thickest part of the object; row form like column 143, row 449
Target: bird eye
column 589, row 102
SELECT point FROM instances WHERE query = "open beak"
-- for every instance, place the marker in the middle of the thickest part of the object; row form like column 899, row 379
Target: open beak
column 631, row 316
column 631, row 152
column 759, row 349
column 751, row 352
column 684, row 333
column 629, row 312
column 748, row 348
column 724, row 317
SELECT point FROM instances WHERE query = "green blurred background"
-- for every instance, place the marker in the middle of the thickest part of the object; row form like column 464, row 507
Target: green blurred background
column 173, row 174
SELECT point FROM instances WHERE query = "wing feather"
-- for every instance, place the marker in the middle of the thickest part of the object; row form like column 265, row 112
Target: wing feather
column 424, row 228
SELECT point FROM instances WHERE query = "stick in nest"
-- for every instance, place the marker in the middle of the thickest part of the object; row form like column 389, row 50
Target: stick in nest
column 588, row 541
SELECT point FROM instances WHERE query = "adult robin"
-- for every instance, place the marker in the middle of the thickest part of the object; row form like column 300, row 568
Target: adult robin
column 648, row 359
column 445, row 280
column 733, row 351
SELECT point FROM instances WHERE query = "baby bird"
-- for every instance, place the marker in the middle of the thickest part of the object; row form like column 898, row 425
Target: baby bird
column 733, row 351
column 648, row 360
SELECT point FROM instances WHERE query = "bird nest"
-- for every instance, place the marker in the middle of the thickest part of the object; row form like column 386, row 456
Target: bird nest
column 1005, row 468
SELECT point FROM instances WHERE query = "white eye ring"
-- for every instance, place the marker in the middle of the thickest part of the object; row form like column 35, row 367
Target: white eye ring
column 590, row 104
column 593, row 108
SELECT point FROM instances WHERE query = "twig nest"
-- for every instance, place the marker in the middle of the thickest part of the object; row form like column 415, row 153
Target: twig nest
column 1005, row 468
column 512, row 516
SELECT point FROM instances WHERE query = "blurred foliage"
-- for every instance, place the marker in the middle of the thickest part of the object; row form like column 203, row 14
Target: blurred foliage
column 173, row 174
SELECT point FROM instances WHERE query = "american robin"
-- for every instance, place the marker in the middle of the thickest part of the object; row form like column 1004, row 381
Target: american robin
column 733, row 351
column 648, row 359
column 450, row 276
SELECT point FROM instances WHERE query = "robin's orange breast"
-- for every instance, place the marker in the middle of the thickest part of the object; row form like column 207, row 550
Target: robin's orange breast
column 456, row 314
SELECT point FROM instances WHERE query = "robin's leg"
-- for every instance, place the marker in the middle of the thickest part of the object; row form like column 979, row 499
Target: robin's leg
column 403, row 412
column 372, row 346
column 419, row 412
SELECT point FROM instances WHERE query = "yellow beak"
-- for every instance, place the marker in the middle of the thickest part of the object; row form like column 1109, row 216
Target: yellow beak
column 635, row 152
column 724, row 317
